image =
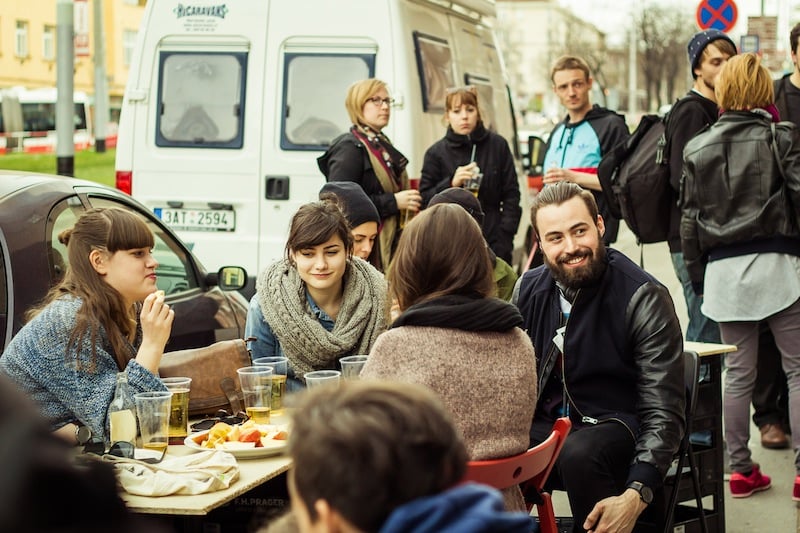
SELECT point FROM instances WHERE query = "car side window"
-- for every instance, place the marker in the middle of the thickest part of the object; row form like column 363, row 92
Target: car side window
column 175, row 271
column 63, row 216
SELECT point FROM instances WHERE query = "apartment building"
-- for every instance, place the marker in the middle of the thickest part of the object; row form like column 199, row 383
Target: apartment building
column 28, row 44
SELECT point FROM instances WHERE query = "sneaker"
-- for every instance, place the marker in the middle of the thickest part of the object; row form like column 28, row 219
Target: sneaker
column 796, row 491
column 743, row 486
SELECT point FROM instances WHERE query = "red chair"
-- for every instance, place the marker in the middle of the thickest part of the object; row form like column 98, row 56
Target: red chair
column 530, row 468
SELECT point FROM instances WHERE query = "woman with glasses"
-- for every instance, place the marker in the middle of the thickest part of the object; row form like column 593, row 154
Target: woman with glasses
column 105, row 317
column 468, row 150
column 366, row 156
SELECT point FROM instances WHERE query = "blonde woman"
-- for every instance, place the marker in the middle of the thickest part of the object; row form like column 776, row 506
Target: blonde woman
column 740, row 213
column 365, row 155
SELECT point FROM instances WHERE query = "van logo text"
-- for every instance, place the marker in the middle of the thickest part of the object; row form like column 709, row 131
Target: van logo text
column 208, row 11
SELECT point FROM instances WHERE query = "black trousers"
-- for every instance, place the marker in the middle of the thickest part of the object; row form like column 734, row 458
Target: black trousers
column 771, row 393
column 593, row 464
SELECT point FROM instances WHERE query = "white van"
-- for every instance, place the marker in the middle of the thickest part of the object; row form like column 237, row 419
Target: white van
column 229, row 104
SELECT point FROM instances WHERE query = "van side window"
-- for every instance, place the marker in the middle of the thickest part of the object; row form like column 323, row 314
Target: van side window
column 312, row 117
column 435, row 68
column 201, row 99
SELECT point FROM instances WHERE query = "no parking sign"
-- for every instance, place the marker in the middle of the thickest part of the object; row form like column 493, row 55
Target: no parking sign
column 717, row 14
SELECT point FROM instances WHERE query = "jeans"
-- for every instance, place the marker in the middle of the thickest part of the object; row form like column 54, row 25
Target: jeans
column 592, row 465
column 700, row 328
column 741, row 377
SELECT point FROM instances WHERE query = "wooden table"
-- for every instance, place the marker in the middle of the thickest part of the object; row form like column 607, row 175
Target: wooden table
column 252, row 473
column 708, row 348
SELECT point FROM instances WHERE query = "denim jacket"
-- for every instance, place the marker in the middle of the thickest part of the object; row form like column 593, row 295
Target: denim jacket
column 262, row 342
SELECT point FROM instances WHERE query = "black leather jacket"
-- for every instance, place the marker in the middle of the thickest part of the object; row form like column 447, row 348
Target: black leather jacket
column 623, row 357
column 733, row 198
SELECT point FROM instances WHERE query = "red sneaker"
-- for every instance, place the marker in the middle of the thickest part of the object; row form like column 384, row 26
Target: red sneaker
column 796, row 491
column 743, row 486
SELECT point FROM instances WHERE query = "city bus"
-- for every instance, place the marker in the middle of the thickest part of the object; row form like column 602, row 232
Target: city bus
column 28, row 120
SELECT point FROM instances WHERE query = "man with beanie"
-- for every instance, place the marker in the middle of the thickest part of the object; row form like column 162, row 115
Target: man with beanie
column 504, row 276
column 578, row 143
column 708, row 52
column 360, row 213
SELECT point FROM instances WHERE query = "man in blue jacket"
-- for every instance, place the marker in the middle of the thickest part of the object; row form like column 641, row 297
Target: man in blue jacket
column 385, row 456
column 578, row 143
column 609, row 350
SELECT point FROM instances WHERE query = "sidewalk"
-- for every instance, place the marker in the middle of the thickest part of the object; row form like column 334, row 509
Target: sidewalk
column 770, row 511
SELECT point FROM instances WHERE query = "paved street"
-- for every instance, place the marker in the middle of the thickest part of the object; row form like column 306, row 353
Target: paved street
column 769, row 511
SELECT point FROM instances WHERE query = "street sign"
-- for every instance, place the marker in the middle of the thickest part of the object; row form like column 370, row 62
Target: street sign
column 717, row 14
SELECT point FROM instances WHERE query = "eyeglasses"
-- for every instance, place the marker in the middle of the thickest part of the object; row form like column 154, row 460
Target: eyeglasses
column 222, row 416
column 127, row 450
column 378, row 101
column 122, row 449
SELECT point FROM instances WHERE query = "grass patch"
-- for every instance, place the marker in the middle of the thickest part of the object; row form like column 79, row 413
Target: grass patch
column 89, row 165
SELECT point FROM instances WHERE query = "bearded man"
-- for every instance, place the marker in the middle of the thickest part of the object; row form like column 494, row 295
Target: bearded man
column 609, row 350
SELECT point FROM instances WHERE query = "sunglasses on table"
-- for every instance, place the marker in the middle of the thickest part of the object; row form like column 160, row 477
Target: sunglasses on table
column 221, row 416
column 122, row 449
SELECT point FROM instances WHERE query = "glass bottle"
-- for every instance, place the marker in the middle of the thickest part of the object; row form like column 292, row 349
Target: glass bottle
column 121, row 413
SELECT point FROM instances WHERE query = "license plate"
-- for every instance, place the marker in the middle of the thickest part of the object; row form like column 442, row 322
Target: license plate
column 197, row 219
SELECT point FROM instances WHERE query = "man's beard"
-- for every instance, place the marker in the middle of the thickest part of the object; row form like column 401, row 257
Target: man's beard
column 577, row 278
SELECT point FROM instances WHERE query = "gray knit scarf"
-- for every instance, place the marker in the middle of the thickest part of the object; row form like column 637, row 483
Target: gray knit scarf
column 362, row 315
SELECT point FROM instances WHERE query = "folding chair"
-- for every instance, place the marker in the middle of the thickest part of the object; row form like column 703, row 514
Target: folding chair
column 530, row 468
column 691, row 369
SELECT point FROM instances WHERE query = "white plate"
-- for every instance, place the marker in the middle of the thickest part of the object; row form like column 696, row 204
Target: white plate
column 277, row 448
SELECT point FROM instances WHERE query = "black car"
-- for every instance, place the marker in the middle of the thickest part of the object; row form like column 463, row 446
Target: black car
column 35, row 208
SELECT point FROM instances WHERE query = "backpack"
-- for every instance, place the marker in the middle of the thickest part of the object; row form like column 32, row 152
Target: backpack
column 634, row 177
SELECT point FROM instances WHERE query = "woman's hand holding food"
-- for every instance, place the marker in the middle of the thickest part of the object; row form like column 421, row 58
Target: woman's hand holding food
column 156, row 319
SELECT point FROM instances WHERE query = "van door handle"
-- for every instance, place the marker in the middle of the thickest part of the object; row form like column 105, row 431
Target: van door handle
column 276, row 187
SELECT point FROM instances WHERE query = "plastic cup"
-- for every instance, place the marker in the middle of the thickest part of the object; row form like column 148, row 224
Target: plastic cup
column 256, row 384
column 153, row 410
column 474, row 183
column 279, row 366
column 322, row 378
column 352, row 365
column 179, row 408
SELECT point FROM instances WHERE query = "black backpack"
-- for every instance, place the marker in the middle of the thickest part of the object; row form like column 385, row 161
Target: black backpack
column 635, row 175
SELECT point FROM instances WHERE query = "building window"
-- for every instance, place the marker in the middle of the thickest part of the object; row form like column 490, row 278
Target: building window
column 128, row 43
column 49, row 43
column 21, row 39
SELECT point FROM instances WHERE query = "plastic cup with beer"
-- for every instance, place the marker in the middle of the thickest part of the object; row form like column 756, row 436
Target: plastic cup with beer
column 474, row 183
column 352, row 365
column 179, row 408
column 279, row 366
column 153, row 411
column 322, row 378
column 256, row 384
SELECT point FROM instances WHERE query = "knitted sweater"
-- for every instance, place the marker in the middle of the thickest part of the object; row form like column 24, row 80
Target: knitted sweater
column 36, row 361
column 487, row 380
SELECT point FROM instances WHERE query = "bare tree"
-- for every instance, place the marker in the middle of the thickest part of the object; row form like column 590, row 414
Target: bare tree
column 663, row 34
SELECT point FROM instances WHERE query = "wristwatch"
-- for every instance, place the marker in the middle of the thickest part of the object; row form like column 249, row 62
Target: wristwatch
column 645, row 492
column 82, row 434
